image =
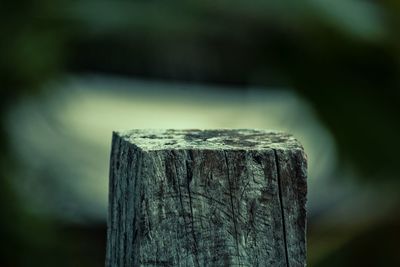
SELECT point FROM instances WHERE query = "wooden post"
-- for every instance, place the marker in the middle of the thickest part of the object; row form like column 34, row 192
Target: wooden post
column 206, row 198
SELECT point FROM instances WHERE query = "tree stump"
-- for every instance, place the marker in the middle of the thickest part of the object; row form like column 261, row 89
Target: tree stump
column 206, row 198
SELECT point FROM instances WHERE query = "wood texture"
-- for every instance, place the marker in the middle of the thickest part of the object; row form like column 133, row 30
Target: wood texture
column 206, row 198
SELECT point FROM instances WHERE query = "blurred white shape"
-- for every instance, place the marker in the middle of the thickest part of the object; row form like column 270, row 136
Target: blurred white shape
column 63, row 140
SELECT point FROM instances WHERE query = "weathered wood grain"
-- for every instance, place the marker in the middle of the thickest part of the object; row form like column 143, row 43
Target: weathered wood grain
column 206, row 198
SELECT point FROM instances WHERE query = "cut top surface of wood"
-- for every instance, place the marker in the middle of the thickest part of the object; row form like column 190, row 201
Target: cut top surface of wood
column 227, row 139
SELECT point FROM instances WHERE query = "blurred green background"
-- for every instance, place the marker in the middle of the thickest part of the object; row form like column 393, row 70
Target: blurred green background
column 73, row 71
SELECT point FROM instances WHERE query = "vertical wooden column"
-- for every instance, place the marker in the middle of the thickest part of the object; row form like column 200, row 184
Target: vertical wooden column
column 206, row 198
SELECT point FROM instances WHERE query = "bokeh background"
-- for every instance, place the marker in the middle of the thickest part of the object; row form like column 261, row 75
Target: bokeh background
column 71, row 72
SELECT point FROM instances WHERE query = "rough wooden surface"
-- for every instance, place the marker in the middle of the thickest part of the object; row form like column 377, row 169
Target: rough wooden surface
column 206, row 198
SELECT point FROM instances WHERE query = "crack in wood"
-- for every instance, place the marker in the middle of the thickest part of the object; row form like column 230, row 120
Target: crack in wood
column 232, row 206
column 278, row 172
column 189, row 177
column 181, row 202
